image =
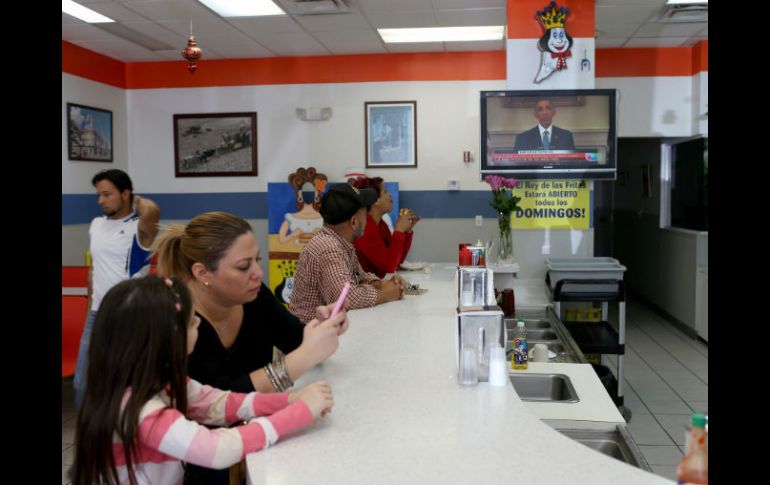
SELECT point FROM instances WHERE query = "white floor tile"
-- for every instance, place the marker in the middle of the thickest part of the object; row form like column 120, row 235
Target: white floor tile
column 662, row 455
column 666, row 471
column 669, row 406
column 699, row 406
column 68, row 434
column 675, row 425
column 68, row 456
column 646, row 431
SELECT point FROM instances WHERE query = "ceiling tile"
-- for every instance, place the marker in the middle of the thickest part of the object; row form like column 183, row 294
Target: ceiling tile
column 656, row 41
column 339, row 39
column 333, row 23
column 121, row 50
column 293, row 44
column 626, row 3
column 69, row 19
column 486, row 45
column 88, row 32
column 212, row 26
column 657, row 29
column 468, row 17
column 159, row 32
column 388, row 19
column 266, row 25
column 624, row 15
column 169, row 9
column 116, row 12
column 367, row 5
column 447, row 4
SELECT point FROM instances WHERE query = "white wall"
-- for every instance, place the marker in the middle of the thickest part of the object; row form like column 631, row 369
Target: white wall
column 76, row 175
column 447, row 124
column 653, row 106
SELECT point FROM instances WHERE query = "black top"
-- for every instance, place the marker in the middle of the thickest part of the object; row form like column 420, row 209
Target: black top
column 266, row 323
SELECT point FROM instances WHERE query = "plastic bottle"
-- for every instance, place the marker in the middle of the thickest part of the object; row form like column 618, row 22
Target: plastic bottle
column 694, row 467
column 519, row 360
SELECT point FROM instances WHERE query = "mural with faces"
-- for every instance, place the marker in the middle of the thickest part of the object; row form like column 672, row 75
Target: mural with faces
column 293, row 220
column 555, row 44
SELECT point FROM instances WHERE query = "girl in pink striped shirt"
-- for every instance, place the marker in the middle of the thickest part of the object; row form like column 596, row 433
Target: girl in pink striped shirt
column 140, row 416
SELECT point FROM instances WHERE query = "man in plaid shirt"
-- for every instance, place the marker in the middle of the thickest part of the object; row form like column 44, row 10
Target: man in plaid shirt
column 329, row 260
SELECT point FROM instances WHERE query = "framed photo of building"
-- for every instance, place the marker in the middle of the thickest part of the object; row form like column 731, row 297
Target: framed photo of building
column 391, row 133
column 89, row 133
column 215, row 144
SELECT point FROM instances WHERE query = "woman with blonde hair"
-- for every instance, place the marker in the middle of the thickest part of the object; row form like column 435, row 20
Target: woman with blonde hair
column 217, row 256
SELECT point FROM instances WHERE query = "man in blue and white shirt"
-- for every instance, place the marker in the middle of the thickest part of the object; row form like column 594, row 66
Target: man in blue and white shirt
column 120, row 249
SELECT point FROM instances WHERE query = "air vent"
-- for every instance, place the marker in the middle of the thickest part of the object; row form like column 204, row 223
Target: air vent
column 316, row 7
column 687, row 13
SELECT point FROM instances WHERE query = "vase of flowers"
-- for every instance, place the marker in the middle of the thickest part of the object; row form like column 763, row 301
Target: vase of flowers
column 504, row 202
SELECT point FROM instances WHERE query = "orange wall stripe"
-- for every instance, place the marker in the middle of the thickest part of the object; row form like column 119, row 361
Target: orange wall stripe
column 700, row 56
column 448, row 66
column 523, row 24
column 88, row 64
column 643, row 62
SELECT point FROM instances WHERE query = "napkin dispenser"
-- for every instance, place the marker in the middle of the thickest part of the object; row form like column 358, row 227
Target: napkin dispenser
column 475, row 287
column 479, row 329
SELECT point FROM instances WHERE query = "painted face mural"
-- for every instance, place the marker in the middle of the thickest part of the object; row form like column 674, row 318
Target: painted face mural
column 555, row 44
column 557, row 41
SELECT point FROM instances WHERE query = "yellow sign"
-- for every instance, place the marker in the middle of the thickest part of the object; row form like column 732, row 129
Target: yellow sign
column 552, row 204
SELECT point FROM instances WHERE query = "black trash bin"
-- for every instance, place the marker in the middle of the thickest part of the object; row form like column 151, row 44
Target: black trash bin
column 605, row 375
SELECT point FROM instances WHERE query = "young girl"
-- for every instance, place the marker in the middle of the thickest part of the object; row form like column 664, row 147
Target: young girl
column 139, row 418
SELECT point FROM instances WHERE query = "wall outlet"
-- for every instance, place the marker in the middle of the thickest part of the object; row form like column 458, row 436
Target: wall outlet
column 479, row 220
column 453, row 184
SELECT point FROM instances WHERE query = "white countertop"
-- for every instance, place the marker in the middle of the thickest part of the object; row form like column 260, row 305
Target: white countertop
column 595, row 403
column 400, row 416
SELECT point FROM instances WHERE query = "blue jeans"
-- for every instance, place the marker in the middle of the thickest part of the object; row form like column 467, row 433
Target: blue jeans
column 81, row 367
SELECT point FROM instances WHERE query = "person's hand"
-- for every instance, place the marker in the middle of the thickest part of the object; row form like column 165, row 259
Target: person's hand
column 324, row 312
column 413, row 219
column 389, row 291
column 317, row 396
column 403, row 223
column 400, row 281
column 320, row 338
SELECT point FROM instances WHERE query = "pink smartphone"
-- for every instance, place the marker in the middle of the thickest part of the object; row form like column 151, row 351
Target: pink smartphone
column 341, row 299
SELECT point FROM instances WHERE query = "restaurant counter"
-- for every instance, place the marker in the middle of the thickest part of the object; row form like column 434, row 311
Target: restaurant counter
column 401, row 417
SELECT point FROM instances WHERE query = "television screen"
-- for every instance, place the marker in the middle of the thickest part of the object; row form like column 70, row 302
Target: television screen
column 565, row 134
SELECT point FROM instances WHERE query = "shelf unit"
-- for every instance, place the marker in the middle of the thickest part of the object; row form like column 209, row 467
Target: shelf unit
column 596, row 337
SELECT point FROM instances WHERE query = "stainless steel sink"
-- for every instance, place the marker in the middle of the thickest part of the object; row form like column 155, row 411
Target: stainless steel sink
column 529, row 324
column 616, row 443
column 541, row 335
column 544, row 387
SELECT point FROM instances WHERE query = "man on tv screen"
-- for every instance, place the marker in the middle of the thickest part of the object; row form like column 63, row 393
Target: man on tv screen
column 545, row 136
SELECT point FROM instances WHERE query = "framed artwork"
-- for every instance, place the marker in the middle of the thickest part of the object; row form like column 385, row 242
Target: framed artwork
column 89, row 133
column 391, row 133
column 215, row 144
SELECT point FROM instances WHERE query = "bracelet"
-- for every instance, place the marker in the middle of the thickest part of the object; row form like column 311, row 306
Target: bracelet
column 282, row 374
column 270, row 372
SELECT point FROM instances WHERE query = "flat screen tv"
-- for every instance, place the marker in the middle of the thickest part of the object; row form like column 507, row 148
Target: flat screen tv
column 581, row 140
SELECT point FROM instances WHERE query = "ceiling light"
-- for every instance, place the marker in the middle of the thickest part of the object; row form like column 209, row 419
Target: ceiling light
column 442, row 34
column 243, row 8
column 685, row 2
column 85, row 14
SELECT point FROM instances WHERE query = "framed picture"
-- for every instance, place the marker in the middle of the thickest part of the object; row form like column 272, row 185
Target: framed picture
column 215, row 144
column 89, row 133
column 391, row 133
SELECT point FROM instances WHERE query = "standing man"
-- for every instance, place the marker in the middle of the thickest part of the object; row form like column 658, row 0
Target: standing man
column 120, row 249
column 329, row 260
column 545, row 136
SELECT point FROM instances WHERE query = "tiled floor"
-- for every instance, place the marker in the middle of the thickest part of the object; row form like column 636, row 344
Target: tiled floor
column 666, row 379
